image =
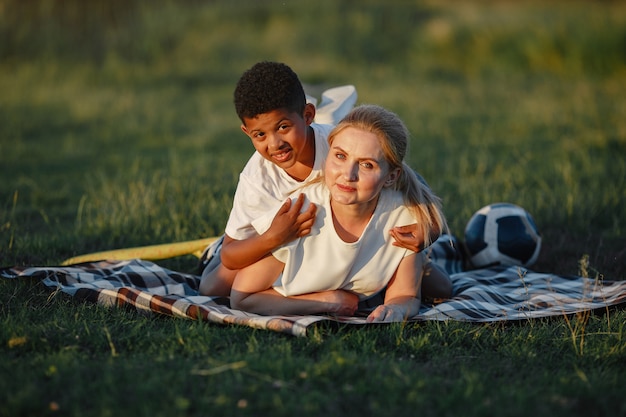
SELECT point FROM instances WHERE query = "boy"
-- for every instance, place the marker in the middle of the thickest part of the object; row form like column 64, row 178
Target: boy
column 290, row 150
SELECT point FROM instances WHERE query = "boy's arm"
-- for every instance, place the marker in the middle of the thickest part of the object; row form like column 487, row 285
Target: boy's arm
column 411, row 237
column 288, row 225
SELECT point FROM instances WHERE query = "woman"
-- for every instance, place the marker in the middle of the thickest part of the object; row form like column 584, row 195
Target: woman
column 365, row 191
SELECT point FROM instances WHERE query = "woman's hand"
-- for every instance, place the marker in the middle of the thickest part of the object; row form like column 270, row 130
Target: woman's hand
column 402, row 297
column 387, row 313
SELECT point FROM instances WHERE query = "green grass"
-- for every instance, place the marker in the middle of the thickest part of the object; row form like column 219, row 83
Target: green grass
column 117, row 129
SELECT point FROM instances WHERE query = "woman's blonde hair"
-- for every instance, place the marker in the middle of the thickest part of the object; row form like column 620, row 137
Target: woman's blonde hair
column 393, row 137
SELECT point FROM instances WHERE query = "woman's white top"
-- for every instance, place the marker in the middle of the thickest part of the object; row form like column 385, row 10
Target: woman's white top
column 323, row 261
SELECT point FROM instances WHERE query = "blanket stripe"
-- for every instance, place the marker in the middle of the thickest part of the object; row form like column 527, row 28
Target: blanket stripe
column 485, row 295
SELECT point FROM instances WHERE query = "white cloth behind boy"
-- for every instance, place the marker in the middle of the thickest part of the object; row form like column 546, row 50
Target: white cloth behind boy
column 336, row 103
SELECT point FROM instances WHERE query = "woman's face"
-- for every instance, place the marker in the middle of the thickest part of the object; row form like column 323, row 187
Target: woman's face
column 356, row 170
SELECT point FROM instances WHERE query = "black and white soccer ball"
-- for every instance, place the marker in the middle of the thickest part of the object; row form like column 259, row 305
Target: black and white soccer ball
column 502, row 234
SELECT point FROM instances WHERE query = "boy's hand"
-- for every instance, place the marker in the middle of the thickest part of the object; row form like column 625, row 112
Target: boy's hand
column 290, row 224
column 408, row 237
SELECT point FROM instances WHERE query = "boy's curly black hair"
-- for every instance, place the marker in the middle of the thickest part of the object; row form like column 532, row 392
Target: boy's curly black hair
column 268, row 86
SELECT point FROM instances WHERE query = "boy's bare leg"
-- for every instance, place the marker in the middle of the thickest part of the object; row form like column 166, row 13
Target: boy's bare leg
column 217, row 281
column 436, row 283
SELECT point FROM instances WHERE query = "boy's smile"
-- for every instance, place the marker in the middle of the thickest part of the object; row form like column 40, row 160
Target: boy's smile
column 285, row 139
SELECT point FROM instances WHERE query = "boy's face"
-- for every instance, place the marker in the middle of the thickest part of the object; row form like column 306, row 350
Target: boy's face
column 281, row 137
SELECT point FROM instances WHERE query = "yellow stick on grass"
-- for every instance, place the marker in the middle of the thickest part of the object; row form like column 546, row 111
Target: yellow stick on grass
column 149, row 253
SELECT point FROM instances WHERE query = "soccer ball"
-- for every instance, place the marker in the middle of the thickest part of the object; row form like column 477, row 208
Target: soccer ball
column 502, row 234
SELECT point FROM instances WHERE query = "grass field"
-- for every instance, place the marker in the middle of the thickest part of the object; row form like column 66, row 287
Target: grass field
column 117, row 129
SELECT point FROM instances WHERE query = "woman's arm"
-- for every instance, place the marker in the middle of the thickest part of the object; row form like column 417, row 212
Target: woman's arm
column 270, row 302
column 252, row 291
column 402, row 297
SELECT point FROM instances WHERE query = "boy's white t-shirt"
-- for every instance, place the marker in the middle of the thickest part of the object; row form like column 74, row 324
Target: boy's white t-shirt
column 364, row 267
column 262, row 185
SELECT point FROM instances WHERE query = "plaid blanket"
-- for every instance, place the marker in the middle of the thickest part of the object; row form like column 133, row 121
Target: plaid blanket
column 485, row 295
